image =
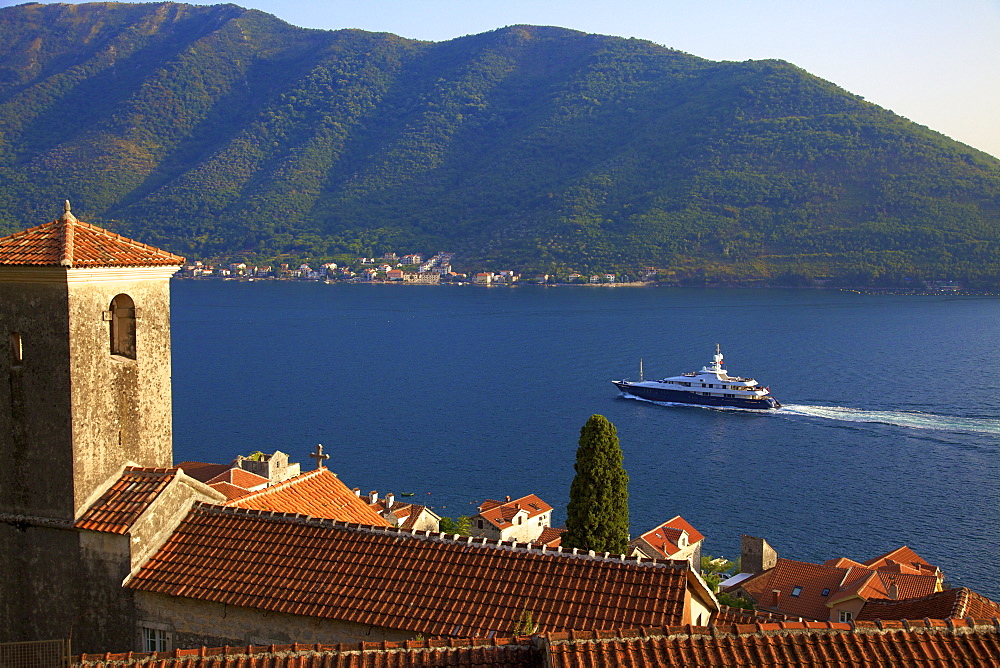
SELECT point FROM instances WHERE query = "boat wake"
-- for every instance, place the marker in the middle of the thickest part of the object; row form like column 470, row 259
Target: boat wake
column 907, row 419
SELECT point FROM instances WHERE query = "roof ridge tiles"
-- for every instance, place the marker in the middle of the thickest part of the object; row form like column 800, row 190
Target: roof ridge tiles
column 440, row 536
column 766, row 629
column 257, row 653
column 270, row 489
column 159, row 470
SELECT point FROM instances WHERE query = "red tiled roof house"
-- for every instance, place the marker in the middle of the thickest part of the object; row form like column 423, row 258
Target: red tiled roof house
column 837, row 590
column 522, row 519
column 674, row 539
column 409, row 516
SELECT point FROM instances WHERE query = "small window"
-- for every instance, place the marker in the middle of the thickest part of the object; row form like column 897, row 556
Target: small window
column 16, row 349
column 122, row 315
column 846, row 616
column 155, row 640
column 479, row 523
column 796, row 591
column 826, row 592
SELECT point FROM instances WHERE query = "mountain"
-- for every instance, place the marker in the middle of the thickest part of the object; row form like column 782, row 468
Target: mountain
column 220, row 132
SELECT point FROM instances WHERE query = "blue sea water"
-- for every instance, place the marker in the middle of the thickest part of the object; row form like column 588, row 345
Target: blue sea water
column 889, row 435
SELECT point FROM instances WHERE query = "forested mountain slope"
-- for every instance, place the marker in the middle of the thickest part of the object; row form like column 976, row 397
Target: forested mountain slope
column 226, row 133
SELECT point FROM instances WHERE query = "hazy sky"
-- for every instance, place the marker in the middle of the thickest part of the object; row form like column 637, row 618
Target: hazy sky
column 936, row 62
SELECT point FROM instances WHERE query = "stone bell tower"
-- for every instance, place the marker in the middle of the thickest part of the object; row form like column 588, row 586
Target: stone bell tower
column 84, row 365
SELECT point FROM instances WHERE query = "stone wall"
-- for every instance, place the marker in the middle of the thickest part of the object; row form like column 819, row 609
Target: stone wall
column 194, row 623
column 35, row 415
column 70, row 408
column 121, row 407
column 56, row 584
column 756, row 556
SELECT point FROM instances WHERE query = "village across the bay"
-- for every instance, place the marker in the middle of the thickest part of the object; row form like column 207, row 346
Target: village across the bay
column 410, row 269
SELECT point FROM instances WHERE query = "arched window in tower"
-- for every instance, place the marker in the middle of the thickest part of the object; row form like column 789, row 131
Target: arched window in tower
column 123, row 326
column 16, row 350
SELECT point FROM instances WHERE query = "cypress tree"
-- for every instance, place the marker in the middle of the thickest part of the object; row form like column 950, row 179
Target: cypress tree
column 597, row 514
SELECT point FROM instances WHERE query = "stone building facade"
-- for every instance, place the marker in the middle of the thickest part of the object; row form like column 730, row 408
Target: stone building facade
column 85, row 391
column 522, row 519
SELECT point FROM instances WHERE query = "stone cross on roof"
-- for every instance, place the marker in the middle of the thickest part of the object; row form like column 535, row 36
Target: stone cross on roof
column 319, row 456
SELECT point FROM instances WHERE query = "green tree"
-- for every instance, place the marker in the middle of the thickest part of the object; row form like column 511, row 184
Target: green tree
column 714, row 570
column 597, row 514
column 734, row 601
column 459, row 525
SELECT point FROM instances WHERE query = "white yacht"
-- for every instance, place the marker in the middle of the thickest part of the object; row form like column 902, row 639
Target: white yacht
column 712, row 386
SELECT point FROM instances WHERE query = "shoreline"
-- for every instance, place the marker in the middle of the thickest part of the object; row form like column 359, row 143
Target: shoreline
column 898, row 292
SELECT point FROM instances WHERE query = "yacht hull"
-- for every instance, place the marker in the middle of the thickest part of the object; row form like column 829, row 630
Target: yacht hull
column 694, row 398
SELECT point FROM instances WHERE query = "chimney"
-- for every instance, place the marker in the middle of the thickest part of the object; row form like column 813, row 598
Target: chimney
column 508, row 499
column 775, row 597
column 893, row 590
column 389, row 499
column 357, row 492
column 373, row 496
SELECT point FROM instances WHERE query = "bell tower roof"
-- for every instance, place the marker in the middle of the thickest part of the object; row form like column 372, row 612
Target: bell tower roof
column 67, row 242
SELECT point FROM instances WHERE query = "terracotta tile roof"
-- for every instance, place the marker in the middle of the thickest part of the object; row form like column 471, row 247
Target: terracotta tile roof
column 119, row 507
column 788, row 574
column 550, row 536
column 407, row 514
column 843, row 562
column 203, row 471
column 232, row 492
column 418, row 582
column 665, row 538
column 928, row 643
column 318, row 493
column 240, row 478
column 845, row 579
column 956, row 603
column 910, row 586
column 933, row 643
column 68, row 242
column 413, row 514
column 902, row 556
column 432, row 653
column 730, row 615
column 501, row 515
column 869, row 586
column 679, row 522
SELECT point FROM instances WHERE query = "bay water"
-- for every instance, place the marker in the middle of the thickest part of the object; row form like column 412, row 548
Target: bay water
column 889, row 434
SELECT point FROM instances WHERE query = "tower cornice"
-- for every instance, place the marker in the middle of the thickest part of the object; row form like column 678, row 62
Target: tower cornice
column 68, row 275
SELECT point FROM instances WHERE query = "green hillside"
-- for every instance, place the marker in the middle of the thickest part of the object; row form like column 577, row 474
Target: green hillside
column 219, row 132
